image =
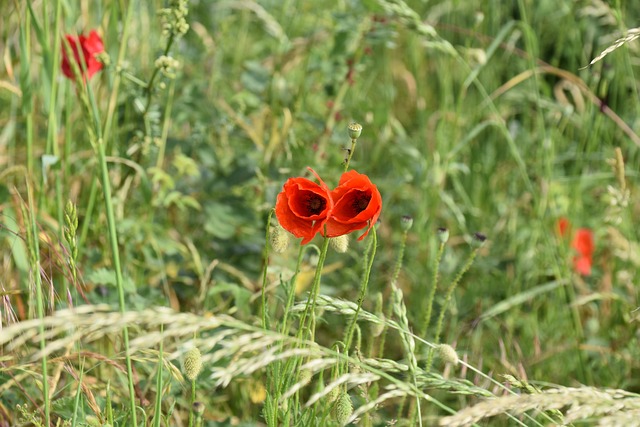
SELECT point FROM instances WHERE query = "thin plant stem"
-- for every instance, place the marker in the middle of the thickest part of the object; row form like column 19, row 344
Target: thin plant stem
column 149, row 88
column 165, row 127
column 432, row 292
column 394, row 279
column 373, row 242
column 292, row 292
column 264, row 271
column 193, row 400
column 35, row 259
column 157, row 416
column 351, row 150
column 443, row 309
column 313, row 295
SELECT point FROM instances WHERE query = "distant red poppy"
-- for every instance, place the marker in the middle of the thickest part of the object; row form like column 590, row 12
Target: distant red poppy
column 357, row 205
column 582, row 242
column 91, row 46
column 563, row 226
column 303, row 207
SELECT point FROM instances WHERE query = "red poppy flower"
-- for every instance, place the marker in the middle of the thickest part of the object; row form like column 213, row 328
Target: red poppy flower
column 583, row 242
column 563, row 226
column 90, row 46
column 303, row 207
column 357, row 204
column 582, row 265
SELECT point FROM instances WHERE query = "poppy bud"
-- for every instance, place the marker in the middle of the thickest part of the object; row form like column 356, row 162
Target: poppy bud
column 342, row 409
column 355, row 129
column 448, row 354
column 340, row 244
column 305, row 376
column 279, row 239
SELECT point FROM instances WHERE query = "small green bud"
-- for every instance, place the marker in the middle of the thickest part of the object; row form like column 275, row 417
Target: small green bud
column 443, row 235
column 340, row 244
column 305, row 376
column 342, row 408
column 355, row 129
column 448, row 354
column 192, row 364
column 406, row 223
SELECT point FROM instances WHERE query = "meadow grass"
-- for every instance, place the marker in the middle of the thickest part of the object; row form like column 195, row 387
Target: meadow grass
column 145, row 279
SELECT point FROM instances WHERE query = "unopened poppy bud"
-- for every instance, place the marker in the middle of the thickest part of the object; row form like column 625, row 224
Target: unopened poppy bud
column 342, row 409
column 333, row 394
column 340, row 244
column 478, row 240
column 279, row 239
column 448, row 354
column 406, row 223
column 192, row 364
column 305, row 377
column 443, row 235
column 355, row 129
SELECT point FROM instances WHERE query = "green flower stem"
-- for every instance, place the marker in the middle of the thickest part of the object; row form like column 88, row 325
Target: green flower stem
column 292, row 292
column 444, row 307
column 373, row 242
column 351, row 150
column 394, row 279
column 432, row 292
column 193, row 399
column 265, row 252
column 313, row 295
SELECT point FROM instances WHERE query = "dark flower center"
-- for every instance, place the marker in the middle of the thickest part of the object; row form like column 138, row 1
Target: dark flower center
column 360, row 203
column 315, row 204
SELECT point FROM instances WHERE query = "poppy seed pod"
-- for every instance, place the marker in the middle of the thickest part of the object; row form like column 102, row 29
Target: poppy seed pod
column 355, row 130
column 406, row 223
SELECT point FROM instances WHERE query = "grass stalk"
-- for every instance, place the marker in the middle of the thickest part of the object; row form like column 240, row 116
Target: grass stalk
column 34, row 249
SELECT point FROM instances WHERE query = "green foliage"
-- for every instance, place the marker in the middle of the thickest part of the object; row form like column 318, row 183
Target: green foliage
column 476, row 116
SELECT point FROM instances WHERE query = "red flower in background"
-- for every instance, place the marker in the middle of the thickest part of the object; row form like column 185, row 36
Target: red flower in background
column 583, row 243
column 90, row 46
column 357, row 204
column 303, row 207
